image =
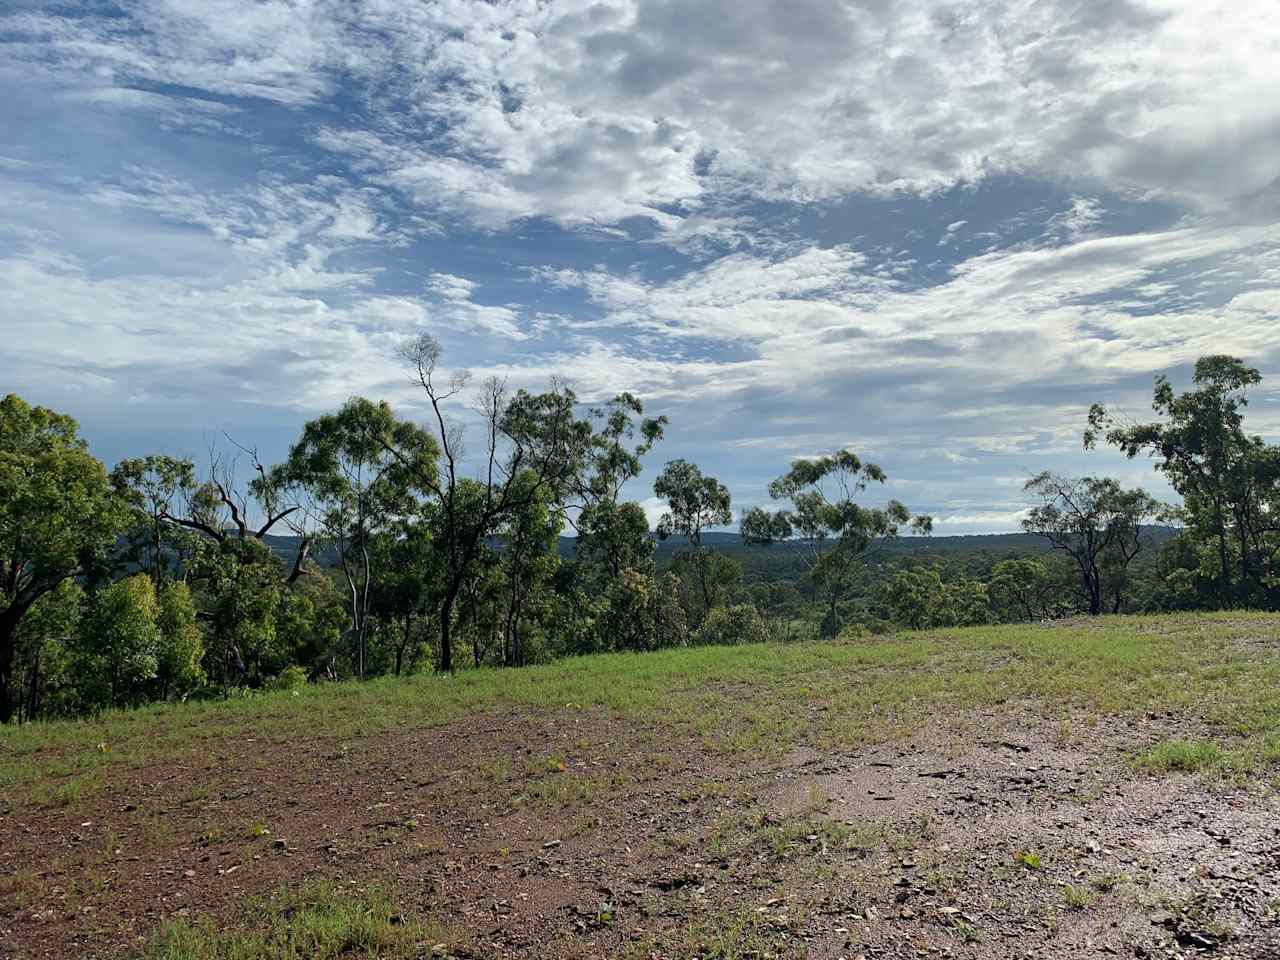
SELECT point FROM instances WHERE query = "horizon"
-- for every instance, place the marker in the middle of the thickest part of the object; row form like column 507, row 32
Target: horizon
column 932, row 234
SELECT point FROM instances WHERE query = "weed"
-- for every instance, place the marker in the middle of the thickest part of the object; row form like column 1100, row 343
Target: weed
column 1186, row 756
column 1077, row 898
column 1106, row 882
column 1028, row 859
column 320, row 921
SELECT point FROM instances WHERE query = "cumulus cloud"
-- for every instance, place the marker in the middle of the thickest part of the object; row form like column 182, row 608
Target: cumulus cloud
column 925, row 230
column 593, row 112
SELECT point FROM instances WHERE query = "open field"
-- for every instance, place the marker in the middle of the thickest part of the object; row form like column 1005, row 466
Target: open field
column 1094, row 788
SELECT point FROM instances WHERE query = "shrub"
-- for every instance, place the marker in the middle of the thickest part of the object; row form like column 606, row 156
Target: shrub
column 732, row 625
column 290, row 678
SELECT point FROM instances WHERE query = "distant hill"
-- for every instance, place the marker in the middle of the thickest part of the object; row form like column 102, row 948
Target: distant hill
column 731, row 543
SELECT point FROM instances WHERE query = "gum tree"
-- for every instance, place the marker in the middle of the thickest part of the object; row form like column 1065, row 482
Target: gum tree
column 694, row 503
column 836, row 532
column 60, row 515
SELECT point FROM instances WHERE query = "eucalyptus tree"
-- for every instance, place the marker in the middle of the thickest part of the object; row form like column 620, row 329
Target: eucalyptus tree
column 533, row 446
column 1229, row 480
column 173, row 505
column 694, row 503
column 1094, row 520
column 59, row 518
column 613, row 535
column 407, row 588
column 528, row 561
column 835, row 533
column 353, row 487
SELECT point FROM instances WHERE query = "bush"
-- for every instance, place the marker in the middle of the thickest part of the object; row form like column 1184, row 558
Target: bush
column 290, row 678
column 854, row 632
column 732, row 625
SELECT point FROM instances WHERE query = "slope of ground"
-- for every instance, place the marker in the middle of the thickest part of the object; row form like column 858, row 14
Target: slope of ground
column 1098, row 788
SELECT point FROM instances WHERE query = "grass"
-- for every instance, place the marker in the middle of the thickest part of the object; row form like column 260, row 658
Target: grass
column 321, row 921
column 1208, row 674
column 1185, row 756
column 753, row 699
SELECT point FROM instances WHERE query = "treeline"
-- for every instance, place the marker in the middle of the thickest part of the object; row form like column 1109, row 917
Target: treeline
column 155, row 580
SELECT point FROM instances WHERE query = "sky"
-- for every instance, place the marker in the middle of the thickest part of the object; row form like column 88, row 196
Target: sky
column 929, row 232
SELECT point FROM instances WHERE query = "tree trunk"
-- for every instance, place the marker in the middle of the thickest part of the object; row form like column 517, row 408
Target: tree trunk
column 702, row 580
column 446, row 625
column 33, row 694
column 8, row 652
column 408, row 621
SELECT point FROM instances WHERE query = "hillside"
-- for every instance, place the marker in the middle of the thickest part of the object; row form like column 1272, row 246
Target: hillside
column 731, row 543
column 1093, row 787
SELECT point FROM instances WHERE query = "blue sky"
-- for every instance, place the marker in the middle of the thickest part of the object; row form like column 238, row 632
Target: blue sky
column 930, row 232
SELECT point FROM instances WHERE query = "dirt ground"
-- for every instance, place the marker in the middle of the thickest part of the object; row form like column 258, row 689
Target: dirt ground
column 574, row 835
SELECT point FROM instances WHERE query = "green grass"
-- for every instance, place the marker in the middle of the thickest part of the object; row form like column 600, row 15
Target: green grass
column 747, row 700
column 321, row 921
column 1186, row 756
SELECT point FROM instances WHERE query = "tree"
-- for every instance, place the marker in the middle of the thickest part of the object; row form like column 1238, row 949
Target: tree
column 614, row 536
column 181, row 644
column 918, row 598
column 527, row 562
column 359, row 470
column 407, row 587
column 167, row 497
column 46, row 643
column 694, row 503
column 1229, row 481
column 152, row 485
column 836, row 532
column 733, row 625
column 1093, row 520
column 118, row 644
column 241, row 593
column 534, row 446
column 59, row 517
column 1021, row 590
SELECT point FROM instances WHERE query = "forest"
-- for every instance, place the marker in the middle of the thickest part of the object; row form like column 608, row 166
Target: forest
column 383, row 546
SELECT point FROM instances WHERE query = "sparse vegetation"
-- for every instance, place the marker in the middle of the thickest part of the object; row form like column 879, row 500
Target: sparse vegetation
column 320, row 921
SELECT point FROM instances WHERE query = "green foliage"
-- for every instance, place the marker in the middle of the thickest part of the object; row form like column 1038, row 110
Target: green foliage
column 360, row 468
column 613, row 537
column 181, row 644
column 241, row 591
column 727, row 626
column 290, row 678
column 118, row 644
column 694, row 503
column 836, row 531
column 1229, row 481
column 1186, row 756
column 45, row 650
column 919, row 599
column 59, row 518
column 320, row 921
column 1098, row 523
column 1021, row 590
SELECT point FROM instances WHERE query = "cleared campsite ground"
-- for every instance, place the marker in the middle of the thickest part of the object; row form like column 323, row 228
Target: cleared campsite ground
column 1091, row 788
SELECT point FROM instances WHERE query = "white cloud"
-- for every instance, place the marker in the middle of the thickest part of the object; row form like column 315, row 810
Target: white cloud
column 590, row 113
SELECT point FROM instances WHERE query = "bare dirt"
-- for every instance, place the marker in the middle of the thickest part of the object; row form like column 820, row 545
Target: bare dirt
column 577, row 835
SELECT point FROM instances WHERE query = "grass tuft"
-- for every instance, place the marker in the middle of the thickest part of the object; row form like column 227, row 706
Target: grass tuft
column 1182, row 756
column 321, row 921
